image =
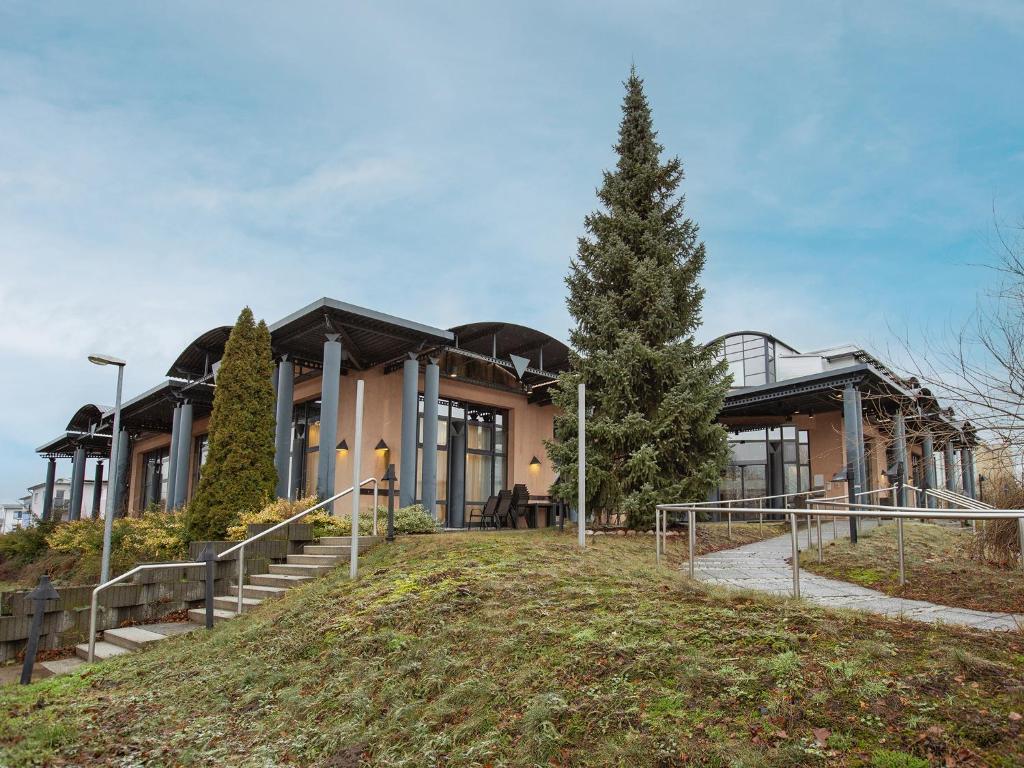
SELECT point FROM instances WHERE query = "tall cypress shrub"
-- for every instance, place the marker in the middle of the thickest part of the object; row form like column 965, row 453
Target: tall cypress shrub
column 239, row 474
column 635, row 296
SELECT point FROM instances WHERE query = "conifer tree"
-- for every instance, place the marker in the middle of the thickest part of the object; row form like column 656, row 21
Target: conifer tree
column 636, row 301
column 239, row 474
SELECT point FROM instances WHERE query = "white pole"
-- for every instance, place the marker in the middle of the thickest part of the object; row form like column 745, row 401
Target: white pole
column 112, row 482
column 581, row 467
column 357, row 456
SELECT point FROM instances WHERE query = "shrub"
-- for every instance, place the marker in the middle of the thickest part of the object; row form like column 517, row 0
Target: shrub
column 24, row 545
column 412, row 519
column 998, row 541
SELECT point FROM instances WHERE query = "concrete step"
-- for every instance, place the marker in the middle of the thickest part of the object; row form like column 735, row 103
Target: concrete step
column 104, row 650
column 260, row 591
column 280, row 580
column 230, row 602
column 198, row 615
column 329, row 549
column 131, row 638
column 311, row 571
column 337, row 541
column 316, row 559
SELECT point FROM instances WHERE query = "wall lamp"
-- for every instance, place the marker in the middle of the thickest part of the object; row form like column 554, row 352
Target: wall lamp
column 535, row 464
column 381, row 446
column 342, row 447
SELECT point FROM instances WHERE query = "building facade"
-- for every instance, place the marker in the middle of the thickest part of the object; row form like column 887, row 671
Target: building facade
column 463, row 413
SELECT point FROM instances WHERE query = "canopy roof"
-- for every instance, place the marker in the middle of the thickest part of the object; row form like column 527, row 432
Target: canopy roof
column 87, row 416
column 153, row 410
column 367, row 337
column 499, row 340
column 196, row 359
column 97, row 446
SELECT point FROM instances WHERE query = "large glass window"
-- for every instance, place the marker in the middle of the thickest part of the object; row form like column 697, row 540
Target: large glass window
column 767, row 462
column 485, row 462
column 751, row 359
column 154, row 477
column 202, row 448
column 305, row 448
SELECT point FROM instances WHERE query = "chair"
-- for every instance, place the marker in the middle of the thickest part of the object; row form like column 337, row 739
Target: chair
column 520, row 501
column 504, row 510
column 488, row 513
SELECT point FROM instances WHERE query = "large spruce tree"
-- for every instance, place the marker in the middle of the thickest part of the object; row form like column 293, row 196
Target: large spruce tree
column 239, row 474
column 636, row 300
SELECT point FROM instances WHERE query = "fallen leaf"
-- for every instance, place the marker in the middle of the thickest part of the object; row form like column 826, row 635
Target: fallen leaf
column 1016, row 717
column 821, row 735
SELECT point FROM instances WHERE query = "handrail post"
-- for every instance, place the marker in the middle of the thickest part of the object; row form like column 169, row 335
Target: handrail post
column 899, row 546
column 795, row 542
column 1020, row 539
column 92, row 623
column 657, row 536
column 691, row 534
column 375, row 506
column 817, row 519
column 241, row 576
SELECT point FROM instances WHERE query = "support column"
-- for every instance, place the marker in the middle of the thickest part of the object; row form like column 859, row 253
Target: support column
column 77, row 484
column 456, row 517
column 329, row 391
column 410, row 415
column 902, row 457
column 118, row 483
column 184, row 454
column 172, row 456
column 97, row 489
column 866, row 481
column 431, row 383
column 949, row 465
column 965, row 471
column 51, row 477
column 929, row 467
column 283, row 424
column 851, row 438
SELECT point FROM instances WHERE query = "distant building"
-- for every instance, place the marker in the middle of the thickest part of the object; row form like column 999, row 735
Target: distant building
column 62, row 498
column 14, row 515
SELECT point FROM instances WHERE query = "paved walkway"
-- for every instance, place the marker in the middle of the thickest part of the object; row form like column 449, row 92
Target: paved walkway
column 763, row 566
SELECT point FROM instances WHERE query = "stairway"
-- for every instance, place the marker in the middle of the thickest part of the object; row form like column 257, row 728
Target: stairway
column 315, row 560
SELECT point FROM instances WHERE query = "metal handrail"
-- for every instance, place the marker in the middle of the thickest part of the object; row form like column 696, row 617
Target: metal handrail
column 757, row 498
column 240, row 547
column 861, row 511
column 948, row 496
column 100, row 587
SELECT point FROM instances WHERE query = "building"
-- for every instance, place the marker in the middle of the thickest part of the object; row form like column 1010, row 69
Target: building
column 60, row 504
column 804, row 421
column 14, row 515
column 485, row 384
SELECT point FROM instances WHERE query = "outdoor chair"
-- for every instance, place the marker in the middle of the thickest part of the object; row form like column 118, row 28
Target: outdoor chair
column 503, row 514
column 488, row 515
column 520, row 500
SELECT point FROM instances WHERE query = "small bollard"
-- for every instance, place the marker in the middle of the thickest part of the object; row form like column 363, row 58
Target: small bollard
column 389, row 476
column 44, row 591
column 209, row 557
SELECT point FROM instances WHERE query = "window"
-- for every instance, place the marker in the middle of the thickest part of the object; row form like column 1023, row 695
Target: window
column 305, row 448
column 751, row 359
column 202, row 448
column 767, row 461
column 154, row 477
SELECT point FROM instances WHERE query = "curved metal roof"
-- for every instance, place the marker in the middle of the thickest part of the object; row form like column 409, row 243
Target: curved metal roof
column 87, row 416
column 499, row 340
column 763, row 334
column 195, row 360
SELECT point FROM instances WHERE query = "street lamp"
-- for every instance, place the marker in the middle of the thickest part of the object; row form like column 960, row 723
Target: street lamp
column 108, row 518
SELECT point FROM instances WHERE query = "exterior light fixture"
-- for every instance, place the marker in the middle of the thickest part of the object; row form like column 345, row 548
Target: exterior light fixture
column 342, row 447
column 535, row 464
column 99, row 359
column 381, row 446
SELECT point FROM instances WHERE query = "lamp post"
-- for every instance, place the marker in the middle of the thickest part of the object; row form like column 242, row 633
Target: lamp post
column 108, row 518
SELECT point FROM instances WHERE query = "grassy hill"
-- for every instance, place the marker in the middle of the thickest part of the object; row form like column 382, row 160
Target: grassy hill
column 517, row 650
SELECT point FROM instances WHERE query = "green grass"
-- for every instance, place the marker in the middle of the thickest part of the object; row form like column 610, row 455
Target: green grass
column 517, row 650
column 936, row 564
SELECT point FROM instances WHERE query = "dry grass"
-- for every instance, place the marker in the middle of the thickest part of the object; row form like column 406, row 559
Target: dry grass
column 939, row 567
column 519, row 650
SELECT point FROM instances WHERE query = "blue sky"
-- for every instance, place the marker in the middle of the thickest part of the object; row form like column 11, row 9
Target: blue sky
column 163, row 164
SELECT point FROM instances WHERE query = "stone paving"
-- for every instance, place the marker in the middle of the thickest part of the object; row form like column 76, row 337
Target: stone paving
column 764, row 566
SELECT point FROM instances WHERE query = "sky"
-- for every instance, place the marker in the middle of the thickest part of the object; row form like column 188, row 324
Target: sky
column 163, row 165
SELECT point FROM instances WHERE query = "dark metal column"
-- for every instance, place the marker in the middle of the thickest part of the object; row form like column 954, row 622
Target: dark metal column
column 902, row 458
column 172, row 456
column 283, row 424
column 949, row 465
column 51, row 477
column 431, row 383
column 184, row 455
column 457, row 476
column 851, row 438
column 929, row 467
column 410, row 415
column 77, row 484
column 97, row 489
column 118, row 483
column 329, row 393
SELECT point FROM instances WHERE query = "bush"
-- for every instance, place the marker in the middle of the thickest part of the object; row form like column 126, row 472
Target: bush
column 998, row 541
column 413, row 519
column 25, row 545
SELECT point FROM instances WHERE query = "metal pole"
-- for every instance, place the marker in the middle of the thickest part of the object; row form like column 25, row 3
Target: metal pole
column 390, row 477
column 581, row 466
column 43, row 592
column 818, row 519
column 899, row 546
column 691, row 535
column 374, row 506
column 795, row 542
column 210, row 558
column 730, row 525
column 353, row 567
column 852, row 499
column 1020, row 539
column 657, row 536
column 241, row 576
column 115, row 480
